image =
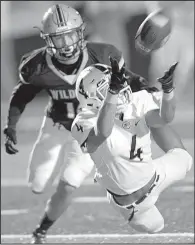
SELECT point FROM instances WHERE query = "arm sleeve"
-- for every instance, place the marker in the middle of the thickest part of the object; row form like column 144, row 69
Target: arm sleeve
column 21, row 95
column 27, row 70
column 25, row 90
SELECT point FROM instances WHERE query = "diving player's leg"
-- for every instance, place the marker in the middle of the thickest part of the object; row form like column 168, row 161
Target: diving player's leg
column 44, row 156
column 76, row 168
column 174, row 165
column 171, row 167
column 143, row 218
column 149, row 220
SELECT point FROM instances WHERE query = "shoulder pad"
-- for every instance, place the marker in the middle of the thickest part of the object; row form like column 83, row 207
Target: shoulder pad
column 31, row 64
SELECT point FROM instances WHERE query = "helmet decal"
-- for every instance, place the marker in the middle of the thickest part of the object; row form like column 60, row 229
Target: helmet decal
column 82, row 91
column 61, row 21
column 92, row 86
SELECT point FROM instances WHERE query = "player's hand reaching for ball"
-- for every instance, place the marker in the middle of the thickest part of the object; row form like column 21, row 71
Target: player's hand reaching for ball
column 118, row 79
column 10, row 140
column 167, row 80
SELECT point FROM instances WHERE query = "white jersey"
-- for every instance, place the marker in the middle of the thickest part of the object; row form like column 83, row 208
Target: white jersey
column 124, row 160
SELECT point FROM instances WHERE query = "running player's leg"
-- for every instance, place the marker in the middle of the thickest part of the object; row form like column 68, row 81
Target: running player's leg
column 44, row 156
column 76, row 168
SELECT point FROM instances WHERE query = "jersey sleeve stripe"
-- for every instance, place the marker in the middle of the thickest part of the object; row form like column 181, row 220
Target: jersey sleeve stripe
column 25, row 62
column 22, row 79
column 30, row 57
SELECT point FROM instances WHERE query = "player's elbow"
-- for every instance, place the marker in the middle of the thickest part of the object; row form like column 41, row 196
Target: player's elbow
column 168, row 118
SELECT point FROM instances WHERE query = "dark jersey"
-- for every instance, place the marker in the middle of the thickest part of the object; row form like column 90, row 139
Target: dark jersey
column 38, row 71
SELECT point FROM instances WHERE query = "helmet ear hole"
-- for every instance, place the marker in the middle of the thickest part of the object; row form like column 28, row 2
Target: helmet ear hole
column 41, row 32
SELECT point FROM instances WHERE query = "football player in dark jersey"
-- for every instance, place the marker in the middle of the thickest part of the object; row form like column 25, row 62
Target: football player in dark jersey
column 55, row 68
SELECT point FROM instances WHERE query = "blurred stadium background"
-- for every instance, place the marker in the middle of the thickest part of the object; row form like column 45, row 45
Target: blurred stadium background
column 116, row 23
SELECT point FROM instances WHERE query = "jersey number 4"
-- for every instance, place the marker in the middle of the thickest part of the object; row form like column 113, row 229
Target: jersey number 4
column 133, row 152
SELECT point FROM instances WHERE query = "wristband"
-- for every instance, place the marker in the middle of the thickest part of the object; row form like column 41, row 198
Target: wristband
column 168, row 96
column 111, row 98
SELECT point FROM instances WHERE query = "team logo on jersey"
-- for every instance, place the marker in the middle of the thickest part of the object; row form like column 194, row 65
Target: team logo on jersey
column 130, row 123
column 127, row 124
column 79, row 127
column 60, row 94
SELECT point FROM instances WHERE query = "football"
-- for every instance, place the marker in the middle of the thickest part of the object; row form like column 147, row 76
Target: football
column 153, row 33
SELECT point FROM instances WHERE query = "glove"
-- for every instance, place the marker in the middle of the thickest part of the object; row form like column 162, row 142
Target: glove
column 11, row 139
column 167, row 80
column 118, row 79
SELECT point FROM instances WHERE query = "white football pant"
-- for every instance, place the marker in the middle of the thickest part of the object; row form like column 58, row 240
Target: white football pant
column 56, row 150
column 171, row 168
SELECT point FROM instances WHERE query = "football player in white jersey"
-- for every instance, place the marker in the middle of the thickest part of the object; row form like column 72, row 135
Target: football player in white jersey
column 114, row 126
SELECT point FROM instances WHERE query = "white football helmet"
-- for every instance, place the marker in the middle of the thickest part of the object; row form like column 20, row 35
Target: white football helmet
column 63, row 32
column 92, row 85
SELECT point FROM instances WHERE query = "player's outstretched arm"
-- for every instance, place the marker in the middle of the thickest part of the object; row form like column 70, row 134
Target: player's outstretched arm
column 168, row 105
column 106, row 115
column 168, row 140
column 104, row 125
column 91, row 132
column 21, row 95
column 165, row 137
